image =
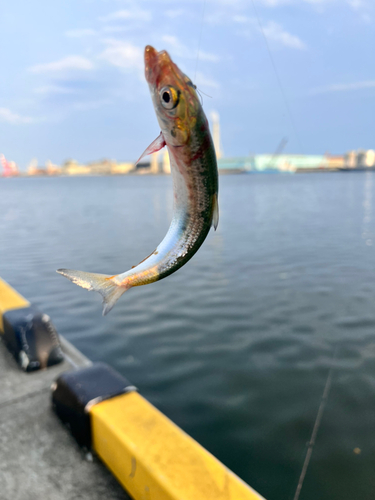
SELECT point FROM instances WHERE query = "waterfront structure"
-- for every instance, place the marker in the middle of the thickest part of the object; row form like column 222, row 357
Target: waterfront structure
column 350, row 160
column 154, row 164
column 268, row 163
column 216, row 134
column 289, row 163
column 101, row 167
column 335, row 162
column 72, row 167
column 52, row 169
column 166, row 168
column 34, row 170
column 365, row 158
column 159, row 163
column 121, row 168
column 10, row 168
column 234, row 165
column 361, row 159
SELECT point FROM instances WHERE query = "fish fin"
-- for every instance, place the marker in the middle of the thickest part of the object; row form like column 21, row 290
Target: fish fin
column 155, row 146
column 215, row 212
column 102, row 283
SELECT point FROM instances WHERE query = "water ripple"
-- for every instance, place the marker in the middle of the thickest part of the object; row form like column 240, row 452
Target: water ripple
column 235, row 347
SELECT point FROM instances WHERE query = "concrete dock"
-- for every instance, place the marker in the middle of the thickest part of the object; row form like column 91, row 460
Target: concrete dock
column 39, row 459
column 151, row 457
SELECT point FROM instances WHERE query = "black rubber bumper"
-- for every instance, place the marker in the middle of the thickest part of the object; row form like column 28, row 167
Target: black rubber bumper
column 32, row 338
column 74, row 392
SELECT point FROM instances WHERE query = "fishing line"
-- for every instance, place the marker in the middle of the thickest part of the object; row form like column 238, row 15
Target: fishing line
column 277, row 77
column 318, row 420
column 200, row 92
column 278, row 151
column 69, row 360
column 199, row 40
column 204, row 93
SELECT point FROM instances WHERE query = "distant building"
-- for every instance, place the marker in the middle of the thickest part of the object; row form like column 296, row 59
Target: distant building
column 154, row 165
column 121, row 168
column 52, row 169
column 143, row 167
column 370, row 158
column 72, row 167
column 289, row 163
column 365, row 158
column 286, row 166
column 361, row 159
column 216, row 134
column 235, row 165
column 9, row 168
column 34, row 170
column 335, row 162
column 166, row 165
column 350, row 159
column 102, row 167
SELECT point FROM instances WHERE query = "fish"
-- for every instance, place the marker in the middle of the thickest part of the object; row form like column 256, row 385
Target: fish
column 186, row 134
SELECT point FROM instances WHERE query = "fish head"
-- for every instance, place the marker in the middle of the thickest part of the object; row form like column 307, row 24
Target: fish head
column 174, row 97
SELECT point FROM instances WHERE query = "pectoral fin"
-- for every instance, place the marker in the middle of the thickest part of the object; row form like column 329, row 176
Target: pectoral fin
column 215, row 212
column 155, row 146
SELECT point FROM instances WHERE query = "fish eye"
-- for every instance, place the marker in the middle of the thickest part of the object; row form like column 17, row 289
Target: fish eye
column 169, row 97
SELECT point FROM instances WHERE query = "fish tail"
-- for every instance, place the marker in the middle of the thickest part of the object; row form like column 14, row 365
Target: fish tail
column 102, row 283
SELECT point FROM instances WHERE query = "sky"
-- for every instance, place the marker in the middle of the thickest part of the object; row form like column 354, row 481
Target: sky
column 72, row 82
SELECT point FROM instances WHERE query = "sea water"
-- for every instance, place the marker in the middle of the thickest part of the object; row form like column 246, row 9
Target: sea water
column 237, row 345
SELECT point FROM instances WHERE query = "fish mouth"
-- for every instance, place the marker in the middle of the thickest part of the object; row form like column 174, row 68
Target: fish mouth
column 156, row 63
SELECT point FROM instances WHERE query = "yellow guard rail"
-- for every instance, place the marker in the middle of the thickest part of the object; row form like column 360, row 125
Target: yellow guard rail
column 9, row 300
column 154, row 459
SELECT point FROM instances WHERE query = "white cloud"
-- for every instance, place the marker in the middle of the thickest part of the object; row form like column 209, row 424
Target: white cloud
column 344, row 87
column 277, row 3
column 6, row 115
column 181, row 50
column 123, row 55
column 204, row 81
column 274, row 3
column 174, row 13
column 275, row 32
column 80, row 33
column 241, row 19
column 53, row 89
column 366, row 18
column 207, row 56
column 115, row 29
column 66, row 64
column 354, row 4
column 88, row 105
column 133, row 14
column 216, row 17
column 231, row 3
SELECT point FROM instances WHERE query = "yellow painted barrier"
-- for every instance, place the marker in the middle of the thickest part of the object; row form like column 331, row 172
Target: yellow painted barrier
column 154, row 459
column 9, row 300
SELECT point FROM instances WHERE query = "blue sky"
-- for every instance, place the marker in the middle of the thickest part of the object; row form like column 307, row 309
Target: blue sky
column 72, row 83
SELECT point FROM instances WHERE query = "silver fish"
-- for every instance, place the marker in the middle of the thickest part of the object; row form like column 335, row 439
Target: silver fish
column 185, row 132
